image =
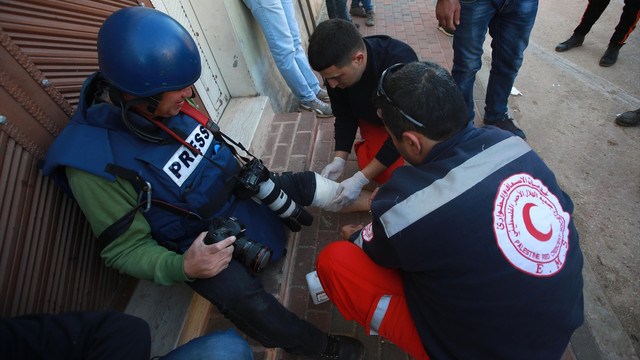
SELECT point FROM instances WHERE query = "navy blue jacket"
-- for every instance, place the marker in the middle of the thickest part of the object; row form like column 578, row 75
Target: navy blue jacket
column 489, row 254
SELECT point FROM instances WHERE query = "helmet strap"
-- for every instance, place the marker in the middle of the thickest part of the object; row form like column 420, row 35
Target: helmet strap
column 118, row 99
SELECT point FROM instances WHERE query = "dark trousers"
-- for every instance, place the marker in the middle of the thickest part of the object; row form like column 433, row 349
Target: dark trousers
column 241, row 297
column 628, row 19
column 101, row 335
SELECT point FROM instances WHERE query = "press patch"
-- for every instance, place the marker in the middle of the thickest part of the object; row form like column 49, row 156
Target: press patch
column 182, row 164
column 532, row 229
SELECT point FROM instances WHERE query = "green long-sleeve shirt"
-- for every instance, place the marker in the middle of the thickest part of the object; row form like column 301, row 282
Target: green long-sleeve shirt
column 134, row 252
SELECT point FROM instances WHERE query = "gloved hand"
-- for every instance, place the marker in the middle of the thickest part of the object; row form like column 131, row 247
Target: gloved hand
column 349, row 189
column 334, row 169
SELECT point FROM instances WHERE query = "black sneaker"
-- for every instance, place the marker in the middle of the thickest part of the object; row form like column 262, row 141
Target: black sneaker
column 447, row 31
column 610, row 55
column 574, row 41
column 342, row 348
column 630, row 118
column 506, row 123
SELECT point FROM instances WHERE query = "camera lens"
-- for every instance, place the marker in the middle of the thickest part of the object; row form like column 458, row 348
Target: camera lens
column 253, row 255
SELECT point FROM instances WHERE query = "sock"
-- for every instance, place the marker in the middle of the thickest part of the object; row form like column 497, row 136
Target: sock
column 326, row 192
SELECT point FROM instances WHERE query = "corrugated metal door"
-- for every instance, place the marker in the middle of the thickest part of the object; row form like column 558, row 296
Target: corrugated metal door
column 48, row 256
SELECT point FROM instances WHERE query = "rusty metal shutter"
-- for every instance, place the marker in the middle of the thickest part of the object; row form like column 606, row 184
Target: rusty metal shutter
column 48, row 256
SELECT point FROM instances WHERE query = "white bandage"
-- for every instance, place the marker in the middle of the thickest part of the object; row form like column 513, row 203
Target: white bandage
column 326, row 192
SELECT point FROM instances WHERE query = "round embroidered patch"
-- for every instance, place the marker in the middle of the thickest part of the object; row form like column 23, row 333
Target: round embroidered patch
column 532, row 229
column 367, row 232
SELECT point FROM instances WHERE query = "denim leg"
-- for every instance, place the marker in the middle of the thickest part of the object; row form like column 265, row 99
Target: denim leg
column 509, row 29
column 467, row 46
column 338, row 10
column 218, row 345
column 241, row 298
column 273, row 20
column 300, row 56
column 331, row 8
column 367, row 5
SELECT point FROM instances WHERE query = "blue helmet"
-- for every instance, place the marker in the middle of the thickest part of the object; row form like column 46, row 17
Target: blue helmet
column 144, row 52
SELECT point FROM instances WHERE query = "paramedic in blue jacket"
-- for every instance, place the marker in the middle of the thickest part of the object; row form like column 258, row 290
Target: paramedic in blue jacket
column 472, row 252
column 149, row 178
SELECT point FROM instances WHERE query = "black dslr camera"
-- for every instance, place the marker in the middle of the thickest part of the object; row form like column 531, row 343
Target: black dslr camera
column 254, row 181
column 252, row 254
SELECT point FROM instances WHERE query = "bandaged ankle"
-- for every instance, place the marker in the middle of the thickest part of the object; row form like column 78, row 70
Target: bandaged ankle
column 326, row 192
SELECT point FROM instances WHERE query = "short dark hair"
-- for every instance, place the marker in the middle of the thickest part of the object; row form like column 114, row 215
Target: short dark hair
column 425, row 91
column 333, row 43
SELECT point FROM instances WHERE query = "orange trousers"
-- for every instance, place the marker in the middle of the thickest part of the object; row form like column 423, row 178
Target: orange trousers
column 356, row 285
column 366, row 150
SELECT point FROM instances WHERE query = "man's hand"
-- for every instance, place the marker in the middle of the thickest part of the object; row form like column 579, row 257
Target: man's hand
column 448, row 13
column 349, row 189
column 348, row 230
column 334, row 169
column 203, row 261
column 373, row 194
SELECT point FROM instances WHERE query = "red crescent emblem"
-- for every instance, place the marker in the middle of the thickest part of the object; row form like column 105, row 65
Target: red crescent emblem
column 526, row 216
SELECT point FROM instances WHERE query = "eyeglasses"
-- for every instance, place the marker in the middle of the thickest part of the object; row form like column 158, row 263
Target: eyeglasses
column 380, row 92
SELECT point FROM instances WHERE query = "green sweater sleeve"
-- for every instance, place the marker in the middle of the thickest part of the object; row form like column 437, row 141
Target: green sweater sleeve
column 134, row 252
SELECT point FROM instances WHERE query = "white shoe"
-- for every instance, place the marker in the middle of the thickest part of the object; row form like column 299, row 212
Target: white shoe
column 323, row 95
column 320, row 108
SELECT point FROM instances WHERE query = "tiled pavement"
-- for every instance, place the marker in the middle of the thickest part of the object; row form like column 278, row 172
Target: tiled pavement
column 299, row 141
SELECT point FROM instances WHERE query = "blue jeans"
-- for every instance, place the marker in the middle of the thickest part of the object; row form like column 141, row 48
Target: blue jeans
column 218, row 345
column 338, row 9
column 366, row 4
column 509, row 23
column 277, row 18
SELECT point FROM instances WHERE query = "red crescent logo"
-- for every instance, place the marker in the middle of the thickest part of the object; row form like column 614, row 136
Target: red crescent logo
column 526, row 215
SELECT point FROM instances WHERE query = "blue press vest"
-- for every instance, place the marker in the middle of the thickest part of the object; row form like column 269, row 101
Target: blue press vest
column 96, row 136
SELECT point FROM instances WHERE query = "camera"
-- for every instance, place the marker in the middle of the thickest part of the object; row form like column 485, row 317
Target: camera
column 254, row 181
column 252, row 254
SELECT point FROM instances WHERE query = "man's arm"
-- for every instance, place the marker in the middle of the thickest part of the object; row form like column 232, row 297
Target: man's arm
column 373, row 240
column 448, row 13
column 135, row 252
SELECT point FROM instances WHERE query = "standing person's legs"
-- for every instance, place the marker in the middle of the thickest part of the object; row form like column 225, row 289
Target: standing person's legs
column 300, row 56
column 510, row 30
column 367, row 5
column 241, row 298
column 331, row 8
column 370, row 294
column 592, row 13
column 467, row 47
column 272, row 18
column 627, row 23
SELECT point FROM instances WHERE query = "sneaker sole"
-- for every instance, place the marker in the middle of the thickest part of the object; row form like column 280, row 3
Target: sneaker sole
column 444, row 31
column 318, row 114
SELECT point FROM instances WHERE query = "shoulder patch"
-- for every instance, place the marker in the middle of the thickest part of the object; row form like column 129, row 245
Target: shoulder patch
column 367, row 232
column 531, row 228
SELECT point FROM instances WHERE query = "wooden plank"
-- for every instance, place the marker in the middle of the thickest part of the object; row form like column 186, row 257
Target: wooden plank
column 197, row 319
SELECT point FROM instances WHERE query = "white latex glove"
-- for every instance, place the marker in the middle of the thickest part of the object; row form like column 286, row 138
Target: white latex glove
column 334, row 169
column 349, row 189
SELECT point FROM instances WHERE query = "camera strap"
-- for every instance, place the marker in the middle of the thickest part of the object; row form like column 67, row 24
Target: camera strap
column 201, row 118
column 144, row 202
